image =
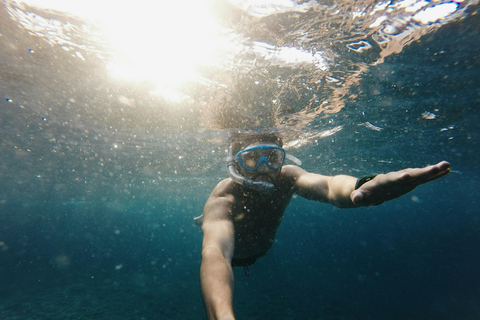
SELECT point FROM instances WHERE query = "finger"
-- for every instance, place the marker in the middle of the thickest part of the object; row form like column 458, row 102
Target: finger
column 435, row 171
column 443, row 165
column 439, row 175
column 429, row 173
column 440, row 167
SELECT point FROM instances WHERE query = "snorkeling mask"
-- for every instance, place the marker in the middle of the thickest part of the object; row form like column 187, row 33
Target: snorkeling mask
column 251, row 158
column 259, row 186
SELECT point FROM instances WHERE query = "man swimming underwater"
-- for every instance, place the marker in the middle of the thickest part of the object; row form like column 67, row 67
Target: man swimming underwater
column 242, row 214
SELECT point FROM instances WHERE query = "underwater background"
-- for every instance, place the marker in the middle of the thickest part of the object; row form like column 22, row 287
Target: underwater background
column 110, row 149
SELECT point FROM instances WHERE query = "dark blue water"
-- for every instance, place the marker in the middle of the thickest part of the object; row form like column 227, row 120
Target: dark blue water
column 96, row 215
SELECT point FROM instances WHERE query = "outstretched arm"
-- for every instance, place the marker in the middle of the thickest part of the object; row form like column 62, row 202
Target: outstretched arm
column 340, row 190
column 216, row 275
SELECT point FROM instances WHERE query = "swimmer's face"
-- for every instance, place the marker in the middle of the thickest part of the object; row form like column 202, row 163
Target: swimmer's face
column 261, row 161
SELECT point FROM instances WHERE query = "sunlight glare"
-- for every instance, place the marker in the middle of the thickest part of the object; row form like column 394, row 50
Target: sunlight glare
column 435, row 13
column 159, row 42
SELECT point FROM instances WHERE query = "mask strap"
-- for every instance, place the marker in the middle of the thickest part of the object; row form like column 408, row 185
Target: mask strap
column 294, row 159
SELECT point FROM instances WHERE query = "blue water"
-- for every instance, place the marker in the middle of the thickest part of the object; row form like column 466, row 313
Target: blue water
column 97, row 201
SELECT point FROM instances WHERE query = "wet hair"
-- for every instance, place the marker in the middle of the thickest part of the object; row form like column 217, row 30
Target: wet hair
column 240, row 140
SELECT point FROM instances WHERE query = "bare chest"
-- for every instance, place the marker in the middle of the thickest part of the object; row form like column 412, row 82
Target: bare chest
column 256, row 221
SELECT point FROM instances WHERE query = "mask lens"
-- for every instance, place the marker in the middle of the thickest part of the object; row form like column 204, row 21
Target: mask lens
column 274, row 157
column 251, row 158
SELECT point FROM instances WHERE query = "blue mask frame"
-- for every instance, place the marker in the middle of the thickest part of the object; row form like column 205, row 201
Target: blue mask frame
column 263, row 158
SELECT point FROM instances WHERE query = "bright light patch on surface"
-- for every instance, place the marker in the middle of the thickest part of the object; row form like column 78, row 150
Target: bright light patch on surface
column 289, row 55
column 161, row 42
column 429, row 115
column 379, row 21
column 435, row 13
column 411, row 5
column 263, row 8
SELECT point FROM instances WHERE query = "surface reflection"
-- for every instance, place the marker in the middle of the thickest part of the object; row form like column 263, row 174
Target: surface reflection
column 223, row 64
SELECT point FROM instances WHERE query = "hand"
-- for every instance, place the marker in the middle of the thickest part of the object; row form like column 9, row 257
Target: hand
column 395, row 184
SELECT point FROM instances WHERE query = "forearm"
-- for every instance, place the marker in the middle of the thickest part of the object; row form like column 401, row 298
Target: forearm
column 332, row 189
column 216, row 278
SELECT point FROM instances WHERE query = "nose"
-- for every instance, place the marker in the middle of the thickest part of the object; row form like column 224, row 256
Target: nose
column 263, row 167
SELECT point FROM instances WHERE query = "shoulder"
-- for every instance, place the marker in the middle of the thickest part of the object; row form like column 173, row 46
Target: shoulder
column 223, row 188
column 292, row 172
column 289, row 177
column 219, row 203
